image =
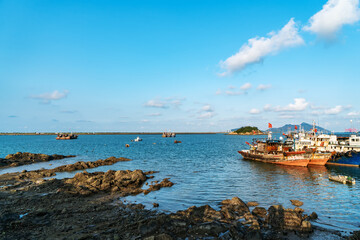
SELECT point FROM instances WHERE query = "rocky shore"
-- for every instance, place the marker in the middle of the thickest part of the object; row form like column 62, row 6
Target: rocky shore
column 90, row 206
column 19, row 158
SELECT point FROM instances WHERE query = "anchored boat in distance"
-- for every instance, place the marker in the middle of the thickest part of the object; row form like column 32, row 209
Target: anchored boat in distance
column 169, row 134
column 66, row 136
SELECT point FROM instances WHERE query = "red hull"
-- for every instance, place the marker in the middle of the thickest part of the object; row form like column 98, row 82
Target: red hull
column 298, row 163
column 320, row 162
column 320, row 158
column 293, row 160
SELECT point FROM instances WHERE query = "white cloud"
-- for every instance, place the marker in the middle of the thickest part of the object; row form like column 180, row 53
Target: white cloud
column 155, row 104
column 68, row 111
column 334, row 14
column 257, row 48
column 316, row 113
column 232, row 87
column 207, row 108
column 254, row 111
column 286, row 116
column 246, row 86
column 206, row 115
column 218, row 92
column 206, row 112
column 334, row 110
column 299, row 104
column 234, row 93
column 353, row 114
column 263, row 87
column 166, row 103
column 267, row 107
column 48, row 97
column 155, row 114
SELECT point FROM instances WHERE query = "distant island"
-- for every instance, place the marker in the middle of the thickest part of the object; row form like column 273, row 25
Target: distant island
column 291, row 127
column 247, row 130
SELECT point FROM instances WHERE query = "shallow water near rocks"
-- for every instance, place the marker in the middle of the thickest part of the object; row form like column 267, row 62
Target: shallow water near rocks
column 206, row 169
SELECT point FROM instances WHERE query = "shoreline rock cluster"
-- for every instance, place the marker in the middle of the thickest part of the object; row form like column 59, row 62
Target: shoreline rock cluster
column 32, row 176
column 89, row 206
column 20, row 158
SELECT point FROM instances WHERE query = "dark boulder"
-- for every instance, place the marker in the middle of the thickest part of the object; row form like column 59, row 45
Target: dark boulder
column 287, row 219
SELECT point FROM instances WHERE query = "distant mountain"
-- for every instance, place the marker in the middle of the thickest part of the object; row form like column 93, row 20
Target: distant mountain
column 291, row 127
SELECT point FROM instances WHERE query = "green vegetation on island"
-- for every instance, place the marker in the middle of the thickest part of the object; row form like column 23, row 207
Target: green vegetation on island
column 247, row 130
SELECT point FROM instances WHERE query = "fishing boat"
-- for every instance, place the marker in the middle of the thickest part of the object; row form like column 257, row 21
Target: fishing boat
column 169, row 134
column 276, row 152
column 312, row 143
column 138, row 139
column 351, row 159
column 66, row 136
column 319, row 158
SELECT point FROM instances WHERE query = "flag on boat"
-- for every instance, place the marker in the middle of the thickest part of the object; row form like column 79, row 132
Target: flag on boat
column 247, row 143
column 296, row 127
column 315, row 130
column 270, row 125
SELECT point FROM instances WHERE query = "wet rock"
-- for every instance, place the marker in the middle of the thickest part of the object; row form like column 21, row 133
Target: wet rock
column 287, row 219
column 252, row 204
column 208, row 229
column 355, row 236
column 155, row 187
column 299, row 210
column 155, row 204
column 20, row 158
column 251, row 221
column 235, row 204
column 260, row 212
column 200, row 214
column 148, row 228
column 85, row 165
column 162, row 236
column 253, row 235
column 313, row 216
column 86, row 183
column 296, row 203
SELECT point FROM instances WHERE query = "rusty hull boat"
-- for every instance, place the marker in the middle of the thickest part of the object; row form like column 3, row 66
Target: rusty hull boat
column 320, row 159
column 276, row 152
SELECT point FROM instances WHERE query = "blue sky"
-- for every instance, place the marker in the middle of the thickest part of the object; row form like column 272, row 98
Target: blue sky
column 178, row 65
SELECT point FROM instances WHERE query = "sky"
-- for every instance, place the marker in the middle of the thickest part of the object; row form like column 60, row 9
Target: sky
column 189, row 65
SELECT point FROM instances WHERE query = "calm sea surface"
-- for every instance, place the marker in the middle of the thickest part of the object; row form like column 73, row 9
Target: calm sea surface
column 206, row 169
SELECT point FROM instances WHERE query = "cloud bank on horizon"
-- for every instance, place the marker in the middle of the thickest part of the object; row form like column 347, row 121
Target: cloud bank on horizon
column 326, row 24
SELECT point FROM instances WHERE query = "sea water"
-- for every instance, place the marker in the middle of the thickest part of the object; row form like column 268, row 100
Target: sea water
column 206, row 169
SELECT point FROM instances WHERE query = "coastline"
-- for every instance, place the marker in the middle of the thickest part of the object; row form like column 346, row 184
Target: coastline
column 90, row 206
column 106, row 133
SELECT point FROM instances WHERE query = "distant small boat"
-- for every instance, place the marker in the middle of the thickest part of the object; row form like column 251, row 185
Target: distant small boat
column 138, row 139
column 176, row 141
column 168, row 134
column 66, row 136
